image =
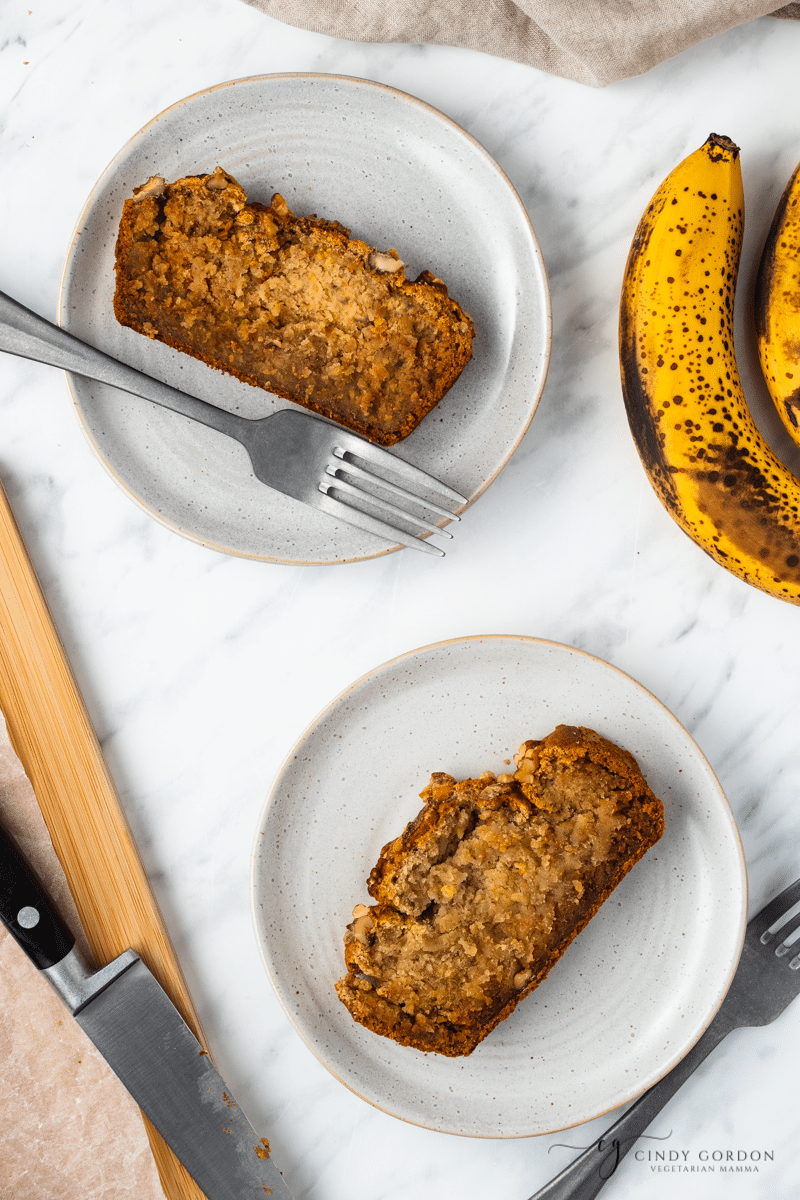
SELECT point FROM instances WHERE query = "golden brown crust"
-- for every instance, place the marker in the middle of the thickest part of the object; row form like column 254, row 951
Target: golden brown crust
column 290, row 304
column 487, row 886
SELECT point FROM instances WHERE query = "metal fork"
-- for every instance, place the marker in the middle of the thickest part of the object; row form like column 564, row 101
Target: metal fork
column 766, row 981
column 309, row 458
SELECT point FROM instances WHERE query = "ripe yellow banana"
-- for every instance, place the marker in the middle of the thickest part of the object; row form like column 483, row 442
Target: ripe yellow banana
column 705, row 458
column 778, row 308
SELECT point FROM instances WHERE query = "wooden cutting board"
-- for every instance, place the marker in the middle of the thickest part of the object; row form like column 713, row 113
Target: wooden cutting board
column 53, row 737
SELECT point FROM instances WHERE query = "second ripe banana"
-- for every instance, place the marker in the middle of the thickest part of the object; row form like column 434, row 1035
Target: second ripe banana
column 778, row 308
column 704, row 456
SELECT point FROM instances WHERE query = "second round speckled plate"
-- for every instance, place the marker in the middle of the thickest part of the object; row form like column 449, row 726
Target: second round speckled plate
column 632, row 993
column 399, row 174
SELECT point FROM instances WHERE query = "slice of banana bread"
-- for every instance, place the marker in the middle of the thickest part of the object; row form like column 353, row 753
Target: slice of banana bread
column 489, row 884
column 290, row 304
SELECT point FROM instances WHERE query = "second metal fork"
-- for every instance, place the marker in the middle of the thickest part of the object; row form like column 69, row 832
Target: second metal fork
column 306, row 457
column 766, row 981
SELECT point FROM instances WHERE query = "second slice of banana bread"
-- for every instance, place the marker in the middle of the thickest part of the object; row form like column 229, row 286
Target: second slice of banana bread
column 486, row 888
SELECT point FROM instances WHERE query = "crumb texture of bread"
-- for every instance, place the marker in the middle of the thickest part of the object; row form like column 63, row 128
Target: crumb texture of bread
column 289, row 304
column 487, row 886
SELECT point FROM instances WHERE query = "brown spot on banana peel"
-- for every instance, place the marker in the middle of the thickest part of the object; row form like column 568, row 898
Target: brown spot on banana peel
column 649, row 441
column 792, row 406
column 739, row 501
column 646, row 432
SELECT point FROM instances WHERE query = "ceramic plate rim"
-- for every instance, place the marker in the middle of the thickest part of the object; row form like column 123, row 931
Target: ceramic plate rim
column 725, row 812
column 93, row 198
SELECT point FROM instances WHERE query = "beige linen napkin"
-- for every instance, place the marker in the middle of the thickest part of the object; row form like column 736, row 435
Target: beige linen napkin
column 590, row 41
column 68, row 1129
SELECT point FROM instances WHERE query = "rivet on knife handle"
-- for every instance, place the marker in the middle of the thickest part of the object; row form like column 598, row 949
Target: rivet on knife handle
column 27, row 912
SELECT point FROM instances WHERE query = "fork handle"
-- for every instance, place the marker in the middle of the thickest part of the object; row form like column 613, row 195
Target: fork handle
column 589, row 1173
column 28, row 335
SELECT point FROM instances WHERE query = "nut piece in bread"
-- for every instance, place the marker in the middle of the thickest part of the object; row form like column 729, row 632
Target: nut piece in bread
column 286, row 303
column 487, row 886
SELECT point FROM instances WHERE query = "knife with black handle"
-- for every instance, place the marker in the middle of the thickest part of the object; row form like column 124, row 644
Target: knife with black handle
column 145, row 1041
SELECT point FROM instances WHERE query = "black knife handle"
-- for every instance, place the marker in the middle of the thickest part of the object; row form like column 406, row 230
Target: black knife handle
column 27, row 911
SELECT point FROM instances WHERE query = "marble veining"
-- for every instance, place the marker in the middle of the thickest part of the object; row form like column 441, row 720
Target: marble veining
column 201, row 670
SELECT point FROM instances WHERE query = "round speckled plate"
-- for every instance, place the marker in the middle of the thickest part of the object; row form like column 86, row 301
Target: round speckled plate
column 399, row 174
column 633, row 992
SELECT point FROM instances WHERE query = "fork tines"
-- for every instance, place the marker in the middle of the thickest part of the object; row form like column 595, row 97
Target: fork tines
column 781, row 919
column 375, row 456
column 370, row 501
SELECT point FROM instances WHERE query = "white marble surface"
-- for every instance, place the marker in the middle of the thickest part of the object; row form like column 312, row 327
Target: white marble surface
column 201, row 670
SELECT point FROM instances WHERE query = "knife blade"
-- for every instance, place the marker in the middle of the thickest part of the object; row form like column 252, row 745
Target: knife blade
column 146, row 1042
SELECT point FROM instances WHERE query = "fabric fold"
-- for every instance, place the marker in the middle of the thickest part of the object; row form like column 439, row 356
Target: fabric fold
column 594, row 43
